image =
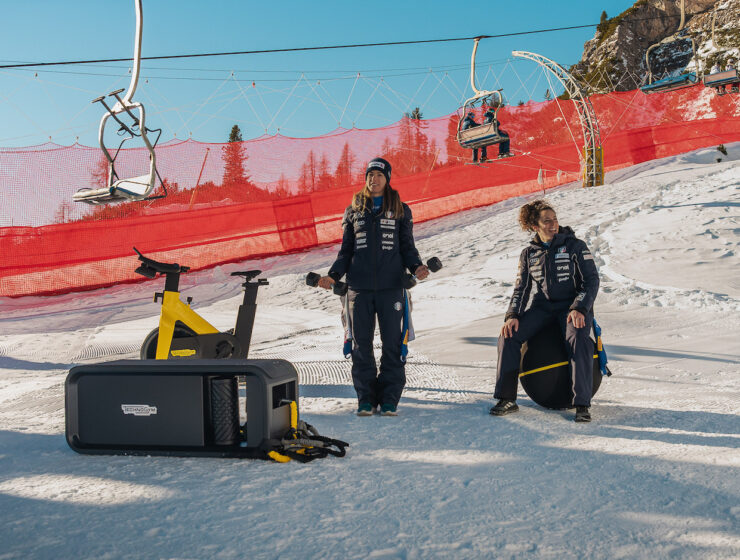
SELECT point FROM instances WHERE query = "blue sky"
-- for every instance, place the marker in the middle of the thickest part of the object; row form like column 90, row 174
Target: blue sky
column 204, row 97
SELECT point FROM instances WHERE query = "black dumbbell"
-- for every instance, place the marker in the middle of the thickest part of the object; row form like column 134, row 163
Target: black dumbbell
column 409, row 280
column 312, row 279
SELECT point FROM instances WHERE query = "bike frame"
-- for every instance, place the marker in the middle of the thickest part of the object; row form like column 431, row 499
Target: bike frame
column 173, row 310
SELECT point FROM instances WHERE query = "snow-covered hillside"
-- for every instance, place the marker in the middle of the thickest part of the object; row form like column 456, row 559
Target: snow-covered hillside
column 655, row 475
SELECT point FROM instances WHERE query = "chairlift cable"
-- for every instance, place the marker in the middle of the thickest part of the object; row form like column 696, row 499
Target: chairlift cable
column 299, row 49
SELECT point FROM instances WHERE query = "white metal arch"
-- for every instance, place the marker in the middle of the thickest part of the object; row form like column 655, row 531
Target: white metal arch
column 592, row 159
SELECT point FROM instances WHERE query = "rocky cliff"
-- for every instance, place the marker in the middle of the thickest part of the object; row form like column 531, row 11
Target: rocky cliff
column 615, row 58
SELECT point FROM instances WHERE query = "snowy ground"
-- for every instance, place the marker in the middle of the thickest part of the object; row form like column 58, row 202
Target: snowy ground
column 656, row 475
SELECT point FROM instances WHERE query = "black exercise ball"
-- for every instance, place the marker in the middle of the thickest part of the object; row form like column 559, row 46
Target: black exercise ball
column 545, row 370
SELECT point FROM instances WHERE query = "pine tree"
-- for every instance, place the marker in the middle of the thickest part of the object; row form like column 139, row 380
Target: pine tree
column 234, row 157
column 346, row 166
column 548, row 95
column 415, row 114
column 454, row 151
column 325, row 179
column 235, row 177
column 99, row 172
column 603, row 23
column 63, row 213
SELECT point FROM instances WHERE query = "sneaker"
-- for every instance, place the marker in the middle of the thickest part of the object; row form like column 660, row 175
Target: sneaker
column 504, row 406
column 388, row 410
column 582, row 414
column 365, row 409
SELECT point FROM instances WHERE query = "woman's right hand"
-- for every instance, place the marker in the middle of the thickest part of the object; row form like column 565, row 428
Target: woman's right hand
column 510, row 327
column 326, row 282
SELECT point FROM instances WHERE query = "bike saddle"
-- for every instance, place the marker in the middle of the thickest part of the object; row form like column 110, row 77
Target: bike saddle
column 150, row 267
column 248, row 274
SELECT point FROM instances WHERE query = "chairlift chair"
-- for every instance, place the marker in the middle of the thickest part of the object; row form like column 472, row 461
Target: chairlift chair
column 134, row 188
column 486, row 134
column 719, row 80
column 671, row 83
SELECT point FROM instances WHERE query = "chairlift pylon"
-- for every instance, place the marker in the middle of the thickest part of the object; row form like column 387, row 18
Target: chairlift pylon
column 134, row 188
column 671, row 83
column 485, row 134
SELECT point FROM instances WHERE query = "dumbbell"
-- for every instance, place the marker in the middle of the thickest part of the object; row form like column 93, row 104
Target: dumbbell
column 312, row 279
column 433, row 264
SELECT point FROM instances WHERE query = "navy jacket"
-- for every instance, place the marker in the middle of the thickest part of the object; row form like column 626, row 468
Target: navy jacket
column 468, row 122
column 376, row 250
column 564, row 273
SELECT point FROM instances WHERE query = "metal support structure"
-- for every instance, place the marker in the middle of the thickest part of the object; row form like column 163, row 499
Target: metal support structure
column 593, row 157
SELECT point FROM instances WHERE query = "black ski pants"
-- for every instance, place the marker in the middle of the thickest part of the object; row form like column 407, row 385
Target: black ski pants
column 579, row 345
column 364, row 306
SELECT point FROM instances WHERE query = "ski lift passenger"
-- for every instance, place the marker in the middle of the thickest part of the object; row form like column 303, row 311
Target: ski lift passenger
column 470, row 122
column 503, row 147
column 735, row 86
column 377, row 248
column 563, row 270
column 716, row 70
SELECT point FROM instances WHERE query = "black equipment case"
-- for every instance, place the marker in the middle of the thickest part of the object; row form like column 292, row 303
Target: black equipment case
column 179, row 407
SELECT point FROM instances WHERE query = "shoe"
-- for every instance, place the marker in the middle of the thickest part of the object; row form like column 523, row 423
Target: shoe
column 582, row 414
column 485, row 160
column 388, row 410
column 504, row 406
column 365, row 409
column 474, row 162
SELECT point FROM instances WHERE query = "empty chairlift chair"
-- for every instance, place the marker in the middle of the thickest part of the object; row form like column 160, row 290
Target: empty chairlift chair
column 671, row 83
column 131, row 125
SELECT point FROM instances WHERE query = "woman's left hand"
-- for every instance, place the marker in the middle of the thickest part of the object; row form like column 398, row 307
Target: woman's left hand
column 421, row 272
column 577, row 318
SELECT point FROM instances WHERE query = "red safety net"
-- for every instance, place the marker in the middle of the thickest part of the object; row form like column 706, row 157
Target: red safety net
column 274, row 195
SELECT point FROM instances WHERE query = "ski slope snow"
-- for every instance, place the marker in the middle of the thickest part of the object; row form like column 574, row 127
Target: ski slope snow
column 655, row 475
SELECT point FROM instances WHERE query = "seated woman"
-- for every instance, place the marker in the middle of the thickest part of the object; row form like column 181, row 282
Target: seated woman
column 563, row 270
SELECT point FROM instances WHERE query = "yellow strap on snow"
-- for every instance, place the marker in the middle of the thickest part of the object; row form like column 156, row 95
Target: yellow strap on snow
column 275, row 456
column 547, row 367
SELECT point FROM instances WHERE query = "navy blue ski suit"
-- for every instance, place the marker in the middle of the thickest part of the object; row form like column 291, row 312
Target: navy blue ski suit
column 375, row 253
column 469, row 122
column 566, row 279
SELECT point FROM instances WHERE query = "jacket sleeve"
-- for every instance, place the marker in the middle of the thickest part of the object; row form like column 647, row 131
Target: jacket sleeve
column 587, row 278
column 344, row 258
column 522, row 287
column 409, row 254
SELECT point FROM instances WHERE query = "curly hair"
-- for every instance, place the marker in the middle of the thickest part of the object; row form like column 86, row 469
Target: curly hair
column 530, row 213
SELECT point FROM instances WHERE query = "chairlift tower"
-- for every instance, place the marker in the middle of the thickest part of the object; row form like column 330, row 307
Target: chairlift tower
column 593, row 155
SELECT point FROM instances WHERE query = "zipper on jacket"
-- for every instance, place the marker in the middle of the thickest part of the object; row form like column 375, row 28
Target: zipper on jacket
column 374, row 245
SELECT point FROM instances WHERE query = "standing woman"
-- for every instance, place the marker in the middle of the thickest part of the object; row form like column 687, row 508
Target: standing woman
column 377, row 248
column 563, row 270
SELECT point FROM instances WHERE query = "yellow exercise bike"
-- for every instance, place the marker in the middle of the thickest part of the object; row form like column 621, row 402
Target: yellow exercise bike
column 182, row 333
